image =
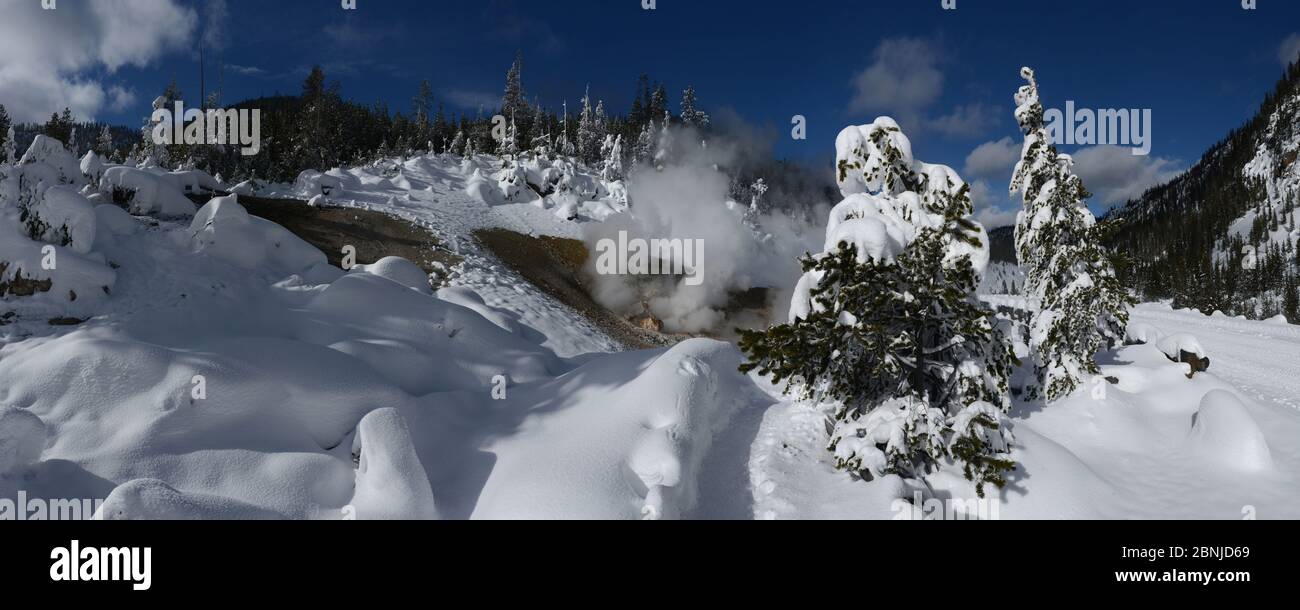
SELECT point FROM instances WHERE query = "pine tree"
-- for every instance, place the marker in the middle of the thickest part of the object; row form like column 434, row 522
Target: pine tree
column 664, row 147
column 104, row 146
column 1083, row 307
column 613, row 166
column 513, row 102
column 421, row 107
column 692, row 116
column 60, row 127
column 591, row 130
column 11, row 146
column 891, row 333
column 457, row 144
column 644, row 152
column 658, row 103
column 1291, row 301
column 6, row 134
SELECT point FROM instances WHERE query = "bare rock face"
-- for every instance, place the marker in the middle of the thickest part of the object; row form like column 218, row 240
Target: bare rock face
column 651, row 323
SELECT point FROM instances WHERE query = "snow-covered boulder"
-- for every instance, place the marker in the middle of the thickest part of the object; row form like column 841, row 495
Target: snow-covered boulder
column 1141, row 333
column 1183, row 347
column 193, row 181
column 147, row 194
column 48, row 151
column 154, row 500
column 224, row 229
column 310, row 183
column 1224, row 432
column 399, row 270
column 391, row 481
column 247, row 187
column 22, row 439
column 112, row 220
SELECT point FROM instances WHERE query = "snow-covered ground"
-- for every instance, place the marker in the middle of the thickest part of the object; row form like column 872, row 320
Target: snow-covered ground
column 230, row 373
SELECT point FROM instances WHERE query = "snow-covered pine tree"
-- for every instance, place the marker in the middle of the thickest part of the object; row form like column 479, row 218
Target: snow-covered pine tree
column 613, row 166
column 514, row 101
column 664, row 147
column 5, row 128
column 510, row 145
column 457, row 143
column 104, row 146
column 885, row 328
column 691, row 115
column 1083, row 307
column 589, row 136
column 644, row 150
column 11, row 146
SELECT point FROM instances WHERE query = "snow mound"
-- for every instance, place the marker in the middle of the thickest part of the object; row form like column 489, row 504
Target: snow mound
column 112, row 220
column 399, row 270
column 50, row 152
column 1173, row 345
column 1224, row 432
column 193, row 181
column 67, row 213
column 484, row 189
column 310, row 183
column 391, row 482
column 1140, row 333
column 629, row 447
column 151, row 499
column 22, row 439
column 92, row 167
column 148, row 193
column 224, row 229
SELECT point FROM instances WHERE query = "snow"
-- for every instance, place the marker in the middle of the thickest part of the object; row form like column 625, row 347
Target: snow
column 48, row 152
column 391, row 482
column 224, row 229
column 1174, row 345
column 1141, row 332
column 152, row 499
column 150, row 194
column 305, row 368
column 22, row 438
column 399, row 270
column 62, row 208
column 1224, row 433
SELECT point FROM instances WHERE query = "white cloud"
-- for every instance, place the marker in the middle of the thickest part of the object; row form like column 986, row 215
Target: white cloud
column 902, row 81
column 993, row 208
column 1115, row 175
column 967, row 121
column 993, row 160
column 1289, row 50
column 51, row 59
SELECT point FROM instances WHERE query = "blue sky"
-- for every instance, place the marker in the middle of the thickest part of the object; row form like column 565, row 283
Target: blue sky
column 1202, row 67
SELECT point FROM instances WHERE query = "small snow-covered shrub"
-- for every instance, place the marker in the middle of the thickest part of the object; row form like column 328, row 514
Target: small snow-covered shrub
column 145, row 193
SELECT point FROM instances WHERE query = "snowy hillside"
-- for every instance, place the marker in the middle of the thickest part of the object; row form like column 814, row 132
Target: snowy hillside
column 214, row 365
